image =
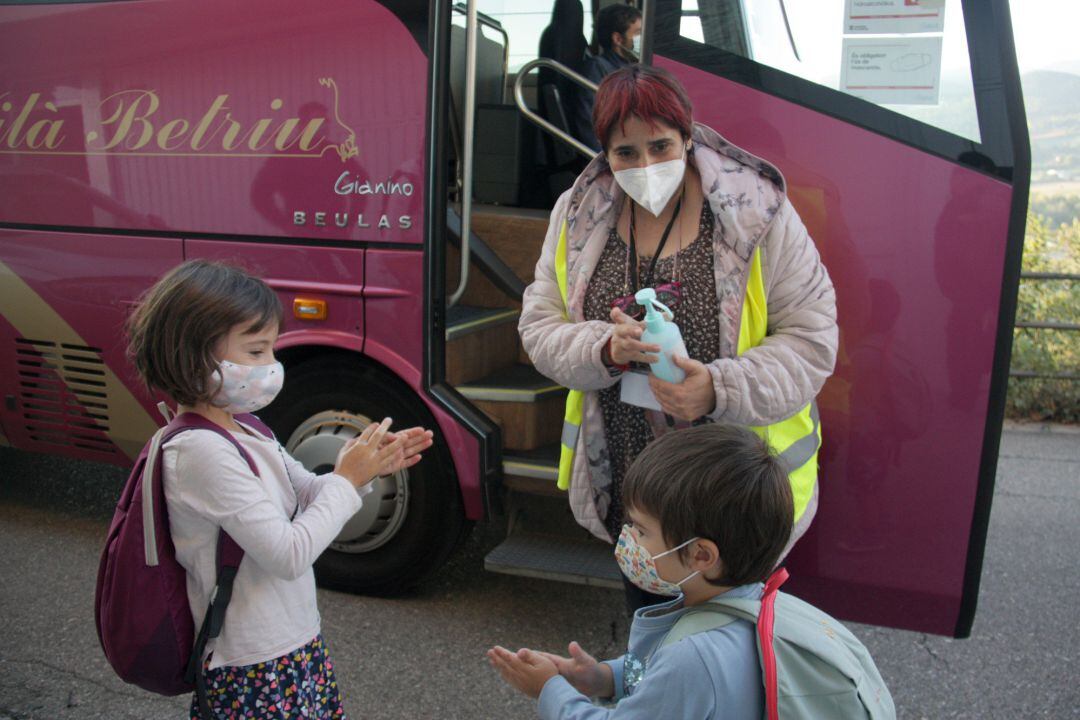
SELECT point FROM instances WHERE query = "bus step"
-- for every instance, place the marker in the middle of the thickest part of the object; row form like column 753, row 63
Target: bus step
column 479, row 341
column 516, row 384
column 549, row 557
column 462, row 320
column 540, row 465
column 527, row 406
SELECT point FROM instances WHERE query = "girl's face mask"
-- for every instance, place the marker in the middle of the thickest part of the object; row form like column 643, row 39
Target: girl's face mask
column 640, row 567
column 246, row 388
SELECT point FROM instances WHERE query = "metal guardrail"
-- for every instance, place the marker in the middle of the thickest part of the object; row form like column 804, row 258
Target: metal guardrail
column 519, row 99
column 1046, row 325
column 473, row 20
column 472, row 27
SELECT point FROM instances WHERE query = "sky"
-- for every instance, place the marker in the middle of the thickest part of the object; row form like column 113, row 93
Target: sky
column 1045, row 34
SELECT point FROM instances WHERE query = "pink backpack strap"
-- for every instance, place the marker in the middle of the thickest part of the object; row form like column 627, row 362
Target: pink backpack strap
column 765, row 637
column 249, row 419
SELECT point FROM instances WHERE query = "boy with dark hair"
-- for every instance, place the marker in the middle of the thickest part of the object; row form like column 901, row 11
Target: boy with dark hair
column 710, row 512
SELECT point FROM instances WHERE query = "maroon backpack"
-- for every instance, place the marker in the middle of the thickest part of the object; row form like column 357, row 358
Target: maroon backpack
column 141, row 605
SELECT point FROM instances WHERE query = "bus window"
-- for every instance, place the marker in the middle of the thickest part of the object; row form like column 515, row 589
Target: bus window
column 810, row 44
column 523, row 21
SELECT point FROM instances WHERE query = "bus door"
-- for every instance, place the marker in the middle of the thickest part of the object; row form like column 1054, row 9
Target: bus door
column 902, row 138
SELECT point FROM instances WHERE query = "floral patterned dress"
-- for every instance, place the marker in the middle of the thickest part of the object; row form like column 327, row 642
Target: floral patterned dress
column 628, row 428
column 299, row 684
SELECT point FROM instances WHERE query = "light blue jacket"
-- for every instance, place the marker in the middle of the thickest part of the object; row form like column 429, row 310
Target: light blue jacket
column 709, row 675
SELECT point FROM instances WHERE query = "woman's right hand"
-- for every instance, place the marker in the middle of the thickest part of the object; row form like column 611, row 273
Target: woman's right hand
column 363, row 457
column 626, row 345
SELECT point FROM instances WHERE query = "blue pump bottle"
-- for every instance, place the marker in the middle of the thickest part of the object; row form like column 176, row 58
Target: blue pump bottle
column 663, row 332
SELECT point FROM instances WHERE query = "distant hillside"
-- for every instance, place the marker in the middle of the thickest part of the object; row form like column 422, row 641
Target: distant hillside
column 1052, row 102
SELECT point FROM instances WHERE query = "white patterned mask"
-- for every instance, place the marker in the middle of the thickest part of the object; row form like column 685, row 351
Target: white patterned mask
column 246, row 388
column 640, row 567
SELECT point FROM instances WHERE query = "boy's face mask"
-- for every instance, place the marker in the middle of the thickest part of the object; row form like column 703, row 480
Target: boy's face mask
column 640, row 567
column 246, row 388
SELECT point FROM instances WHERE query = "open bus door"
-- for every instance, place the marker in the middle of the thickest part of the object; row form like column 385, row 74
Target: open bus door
column 918, row 212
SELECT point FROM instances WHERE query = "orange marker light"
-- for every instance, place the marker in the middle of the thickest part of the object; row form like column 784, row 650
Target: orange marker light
column 305, row 309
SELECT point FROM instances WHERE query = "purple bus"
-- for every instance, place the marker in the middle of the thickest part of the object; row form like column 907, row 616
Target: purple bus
column 375, row 161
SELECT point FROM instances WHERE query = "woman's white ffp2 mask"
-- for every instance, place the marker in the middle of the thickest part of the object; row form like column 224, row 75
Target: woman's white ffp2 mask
column 652, row 186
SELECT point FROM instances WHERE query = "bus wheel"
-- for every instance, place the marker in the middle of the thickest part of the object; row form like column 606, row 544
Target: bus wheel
column 412, row 520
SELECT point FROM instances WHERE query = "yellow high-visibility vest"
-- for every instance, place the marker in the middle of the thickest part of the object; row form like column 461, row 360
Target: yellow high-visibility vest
column 795, row 440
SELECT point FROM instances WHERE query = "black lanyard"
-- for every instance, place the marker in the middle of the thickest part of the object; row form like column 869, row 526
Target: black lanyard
column 659, row 248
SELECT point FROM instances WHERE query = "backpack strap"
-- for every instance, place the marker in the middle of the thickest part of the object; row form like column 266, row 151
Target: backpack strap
column 249, row 419
column 765, row 638
column 696, row 621
column 229, row 553
column 720, row 611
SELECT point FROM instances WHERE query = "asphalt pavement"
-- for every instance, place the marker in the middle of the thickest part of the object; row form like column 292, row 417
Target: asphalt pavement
column 421, row 656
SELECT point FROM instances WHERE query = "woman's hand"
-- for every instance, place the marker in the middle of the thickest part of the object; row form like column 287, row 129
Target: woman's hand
column 363, row 457
column 589, row 677
column 691, row 398
column 526, row 670
column 626, row 345
column 416, row 440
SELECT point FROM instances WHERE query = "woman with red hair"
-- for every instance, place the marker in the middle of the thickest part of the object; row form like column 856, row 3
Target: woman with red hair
column 671, row 205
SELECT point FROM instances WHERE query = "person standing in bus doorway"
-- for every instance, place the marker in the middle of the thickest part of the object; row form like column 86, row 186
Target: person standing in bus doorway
column 616, row 43
column 204, row 335
column 672, row 205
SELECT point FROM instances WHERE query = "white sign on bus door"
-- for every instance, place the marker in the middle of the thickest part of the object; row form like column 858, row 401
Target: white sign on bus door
column 893, row 16
column 892, row 71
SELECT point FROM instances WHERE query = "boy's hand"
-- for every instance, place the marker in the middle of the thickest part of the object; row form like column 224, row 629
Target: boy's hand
column 589, row 677
column 416, row 440
column 526, row 670
column 362, row 458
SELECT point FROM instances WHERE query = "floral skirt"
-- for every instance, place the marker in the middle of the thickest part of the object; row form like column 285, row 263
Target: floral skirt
column 299, row 684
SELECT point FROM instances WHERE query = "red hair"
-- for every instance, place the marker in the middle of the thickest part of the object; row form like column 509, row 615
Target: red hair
column 650, row 93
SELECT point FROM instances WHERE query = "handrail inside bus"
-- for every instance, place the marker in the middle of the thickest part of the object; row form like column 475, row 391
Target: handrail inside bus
column 468, row 142
column 519, row 100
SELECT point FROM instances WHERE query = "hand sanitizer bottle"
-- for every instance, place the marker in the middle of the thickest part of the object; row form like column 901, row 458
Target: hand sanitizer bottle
column 663, row 332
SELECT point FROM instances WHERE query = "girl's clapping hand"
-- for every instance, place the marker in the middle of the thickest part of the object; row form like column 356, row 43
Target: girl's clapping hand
column 363, row 458
column 416, row 440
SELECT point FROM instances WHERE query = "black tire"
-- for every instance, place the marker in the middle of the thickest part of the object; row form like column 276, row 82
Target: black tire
column 418, row 521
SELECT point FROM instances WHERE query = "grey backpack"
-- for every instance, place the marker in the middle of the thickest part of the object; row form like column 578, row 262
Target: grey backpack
column 813, row 667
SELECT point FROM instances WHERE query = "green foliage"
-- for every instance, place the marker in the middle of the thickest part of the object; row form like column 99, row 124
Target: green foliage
column 1048, row 248
column 1055, row 210
column 1052, row 102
